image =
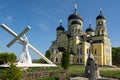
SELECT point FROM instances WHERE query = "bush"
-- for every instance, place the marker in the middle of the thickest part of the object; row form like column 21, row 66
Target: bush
column 65, row 60
column 12, row 73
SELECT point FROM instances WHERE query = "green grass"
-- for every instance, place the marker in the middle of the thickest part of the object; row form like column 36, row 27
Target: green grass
column 114, row 74
column 49, row 78
column 74, row 71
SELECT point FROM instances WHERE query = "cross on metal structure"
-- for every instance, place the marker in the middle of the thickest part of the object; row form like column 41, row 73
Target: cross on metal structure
column 26, row 45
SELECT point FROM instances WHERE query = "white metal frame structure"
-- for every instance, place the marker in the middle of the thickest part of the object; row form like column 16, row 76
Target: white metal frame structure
column 26, row 45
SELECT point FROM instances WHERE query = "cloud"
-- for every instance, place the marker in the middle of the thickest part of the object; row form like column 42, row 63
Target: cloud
column 8, row 19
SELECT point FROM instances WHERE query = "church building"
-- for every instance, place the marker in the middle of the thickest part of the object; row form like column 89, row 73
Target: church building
column 80, row 43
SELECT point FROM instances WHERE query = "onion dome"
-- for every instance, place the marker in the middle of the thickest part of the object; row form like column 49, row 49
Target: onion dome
column 75, row 15
column 89, row 29
column 60, row 27
column 100, row 16
column 76, row 22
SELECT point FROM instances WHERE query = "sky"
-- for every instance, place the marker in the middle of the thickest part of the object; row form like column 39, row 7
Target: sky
column 43, row 17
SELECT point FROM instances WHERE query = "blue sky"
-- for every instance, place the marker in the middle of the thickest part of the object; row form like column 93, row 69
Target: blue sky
column 43, row 17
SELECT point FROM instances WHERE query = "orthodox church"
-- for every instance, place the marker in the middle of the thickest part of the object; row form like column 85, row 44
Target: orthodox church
column 80, row 43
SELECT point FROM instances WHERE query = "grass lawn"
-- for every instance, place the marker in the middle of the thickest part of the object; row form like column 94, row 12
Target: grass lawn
column 112, row 74
column 73, row 71
column 76, row 71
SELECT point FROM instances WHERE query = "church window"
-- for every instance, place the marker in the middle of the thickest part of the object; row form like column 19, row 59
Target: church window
column 52, row 50
column 80, row 60
column 98, row 23
column 56, row 59
column 80, row 50
column 95, row 51
column 75, row 30
column 77, row 50
column 98, row 33
column 102, row 23
column 102, row 32
column 88, row 51
column 71, row 49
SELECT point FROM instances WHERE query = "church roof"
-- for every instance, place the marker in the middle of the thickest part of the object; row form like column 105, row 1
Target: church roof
column 76, row 22
column 75, row 16
column 89, row 29
column 60, row 27
column 100, row 16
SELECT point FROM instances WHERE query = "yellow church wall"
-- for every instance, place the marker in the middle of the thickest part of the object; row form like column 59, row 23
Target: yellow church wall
column 98, row 53
column 107, row 54
column 75, row 42
column 63, row 41
column 85, row 48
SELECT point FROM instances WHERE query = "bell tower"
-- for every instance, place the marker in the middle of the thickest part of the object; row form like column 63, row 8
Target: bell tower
column 75, row 23
column 101, row 29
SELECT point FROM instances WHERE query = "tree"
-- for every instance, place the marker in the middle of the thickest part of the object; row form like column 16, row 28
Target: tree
column 12, row 58
column 116, row 56
column 65, row 60
column 6, row 57
column 12, row 73
column 47, row 55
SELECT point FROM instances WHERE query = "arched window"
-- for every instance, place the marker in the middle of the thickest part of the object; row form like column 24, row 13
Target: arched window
column 102, row 32
column 88, row 51
column 71, row 49
column 56, row 59
column 80, row 60
column 78, row 51
column 95, row 51
column 98, row 32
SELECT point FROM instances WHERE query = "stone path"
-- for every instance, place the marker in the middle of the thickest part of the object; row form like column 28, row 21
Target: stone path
column 79, row 78
column 82, row 78
column 109, row 69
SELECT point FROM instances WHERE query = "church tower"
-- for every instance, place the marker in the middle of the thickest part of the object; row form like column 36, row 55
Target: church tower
column 60, row 29
column 101, row 42
column 75, row 23
column 101, row 29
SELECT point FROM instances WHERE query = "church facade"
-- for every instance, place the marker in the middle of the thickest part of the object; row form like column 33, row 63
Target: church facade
column 80, row 43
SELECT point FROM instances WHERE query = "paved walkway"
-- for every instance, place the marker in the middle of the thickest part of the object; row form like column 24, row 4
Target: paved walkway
column 109, row 69
column 83, row 78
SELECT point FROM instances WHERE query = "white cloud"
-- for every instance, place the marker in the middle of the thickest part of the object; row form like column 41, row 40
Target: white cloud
column 8, row 19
